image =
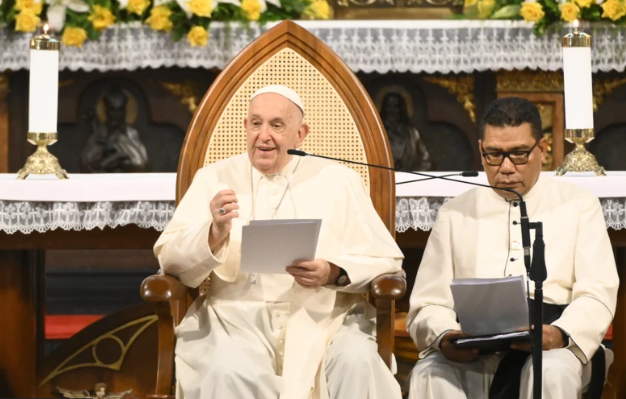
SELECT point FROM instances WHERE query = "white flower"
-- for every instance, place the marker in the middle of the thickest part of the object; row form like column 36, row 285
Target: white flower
column 123, row 4
column 183, row 4
column 598, row 2
column 56, row 11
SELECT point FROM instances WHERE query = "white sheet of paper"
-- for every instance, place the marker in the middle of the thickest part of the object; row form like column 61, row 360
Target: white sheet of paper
column 490, row 305
column 269, row 246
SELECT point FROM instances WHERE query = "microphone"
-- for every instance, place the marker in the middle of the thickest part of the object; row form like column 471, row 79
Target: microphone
column 462, row 174
column 525, row 224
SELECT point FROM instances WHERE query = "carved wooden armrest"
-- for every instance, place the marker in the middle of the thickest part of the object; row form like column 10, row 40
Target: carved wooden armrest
column 162, row 288
column 390, row 286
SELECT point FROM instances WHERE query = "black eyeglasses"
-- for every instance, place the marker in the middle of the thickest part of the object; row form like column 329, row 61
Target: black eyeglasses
column 516, row 157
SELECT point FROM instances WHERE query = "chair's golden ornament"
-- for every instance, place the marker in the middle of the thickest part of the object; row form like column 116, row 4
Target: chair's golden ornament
column 580, row 160
column 42, row 162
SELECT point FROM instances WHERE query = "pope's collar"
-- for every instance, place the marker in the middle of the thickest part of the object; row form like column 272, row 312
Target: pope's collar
column 285, row 172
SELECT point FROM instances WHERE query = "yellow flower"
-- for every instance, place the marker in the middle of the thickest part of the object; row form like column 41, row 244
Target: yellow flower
column 318, row 9
column 137, row 6
column 198, row 36
column 29, row 5
column 613, row 9
column 569, row 11
column 584, row 3
column 101, row 17
column 160, row 18
column 485, row 7
column 201, row 8
column 74, row 36
column 470, row 3
column 26, row 21
column 532, row 12
column 252, row 8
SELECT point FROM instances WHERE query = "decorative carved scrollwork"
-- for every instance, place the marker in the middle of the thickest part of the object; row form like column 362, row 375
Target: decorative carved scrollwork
column 185, row 90
column 604, row 88
column 529, row 81
column 462, row 86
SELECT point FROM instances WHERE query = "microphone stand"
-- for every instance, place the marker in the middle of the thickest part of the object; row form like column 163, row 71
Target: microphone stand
column 537, row 272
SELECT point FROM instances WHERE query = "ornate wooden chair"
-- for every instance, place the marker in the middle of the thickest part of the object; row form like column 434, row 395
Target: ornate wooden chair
column 344, row 123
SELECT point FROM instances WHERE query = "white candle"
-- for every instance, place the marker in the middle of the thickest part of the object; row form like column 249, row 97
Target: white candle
column 577, row 81
column 44, row 84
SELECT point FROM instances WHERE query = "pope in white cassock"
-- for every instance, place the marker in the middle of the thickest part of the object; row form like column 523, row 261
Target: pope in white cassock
column 305, row 334
column 477, row 235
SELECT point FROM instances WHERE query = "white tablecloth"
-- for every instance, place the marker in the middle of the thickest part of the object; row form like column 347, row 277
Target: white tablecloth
column 84, row 202
column 417, row 46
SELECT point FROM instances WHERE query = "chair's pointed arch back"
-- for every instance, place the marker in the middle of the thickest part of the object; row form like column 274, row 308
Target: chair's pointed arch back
column 343, row 120
column 333, row 131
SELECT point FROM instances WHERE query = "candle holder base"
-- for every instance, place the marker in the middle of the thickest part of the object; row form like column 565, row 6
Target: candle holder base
column 580, row 160
column 42, row 162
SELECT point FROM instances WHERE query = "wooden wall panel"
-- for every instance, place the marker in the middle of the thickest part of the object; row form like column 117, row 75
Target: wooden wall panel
column 4, row 123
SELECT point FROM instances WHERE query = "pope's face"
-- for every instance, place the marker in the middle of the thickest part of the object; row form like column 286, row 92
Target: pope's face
column 274, row 125
column 520, row 178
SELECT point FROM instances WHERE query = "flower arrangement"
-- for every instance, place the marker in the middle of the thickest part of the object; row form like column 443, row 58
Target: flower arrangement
column 544, row 13
column 80, row 20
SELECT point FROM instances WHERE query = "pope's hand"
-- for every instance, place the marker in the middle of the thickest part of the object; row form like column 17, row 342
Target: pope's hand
column 313, row 273
column 454, row 354
column 222, row 221
column 552, row 339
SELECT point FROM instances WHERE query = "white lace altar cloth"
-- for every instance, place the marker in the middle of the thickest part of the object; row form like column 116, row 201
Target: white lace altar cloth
column 45, row 204
column 417, row 46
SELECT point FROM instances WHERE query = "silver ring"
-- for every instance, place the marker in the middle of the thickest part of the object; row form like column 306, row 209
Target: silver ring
column 222, row 211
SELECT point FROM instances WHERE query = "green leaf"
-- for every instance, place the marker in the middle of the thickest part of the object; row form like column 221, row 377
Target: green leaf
column 552, row 6
column 507, row 12
column 178, row 32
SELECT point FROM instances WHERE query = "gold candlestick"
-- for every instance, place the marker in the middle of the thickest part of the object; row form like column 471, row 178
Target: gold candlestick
column 579, row 160
column 42, row 162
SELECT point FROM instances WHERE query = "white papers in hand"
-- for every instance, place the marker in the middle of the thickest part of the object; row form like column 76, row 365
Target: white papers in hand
column 269, row 246
column 490, row 305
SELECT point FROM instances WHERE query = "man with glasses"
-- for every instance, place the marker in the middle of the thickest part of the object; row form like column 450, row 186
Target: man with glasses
column 478, row 235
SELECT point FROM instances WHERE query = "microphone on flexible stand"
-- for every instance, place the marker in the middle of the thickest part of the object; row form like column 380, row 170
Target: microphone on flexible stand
column 462, row 174
column 540, row 268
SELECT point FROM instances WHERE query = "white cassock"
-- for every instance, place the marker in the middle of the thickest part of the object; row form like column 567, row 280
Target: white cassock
column 477, row 235
column 273, row 338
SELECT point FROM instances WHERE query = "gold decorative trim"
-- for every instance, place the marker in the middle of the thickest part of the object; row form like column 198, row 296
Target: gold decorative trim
column 184, row 90
column 462, row 86
column 529, row 81
column 576, row 39
column 604, row 88
column 148, row 320
column 42, row 162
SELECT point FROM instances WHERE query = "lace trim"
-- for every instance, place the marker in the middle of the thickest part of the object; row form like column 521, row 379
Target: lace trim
column 368, row 46
column 421, row 213
column 26, row 217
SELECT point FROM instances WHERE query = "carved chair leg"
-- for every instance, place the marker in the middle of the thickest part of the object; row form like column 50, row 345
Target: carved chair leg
column 385, row 329
column 165, row 366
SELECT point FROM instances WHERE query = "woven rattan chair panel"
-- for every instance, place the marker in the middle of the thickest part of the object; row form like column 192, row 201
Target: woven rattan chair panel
column 332, row 130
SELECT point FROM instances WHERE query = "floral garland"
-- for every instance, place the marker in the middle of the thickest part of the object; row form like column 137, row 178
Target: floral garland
column 544, row 13
column 80, row 20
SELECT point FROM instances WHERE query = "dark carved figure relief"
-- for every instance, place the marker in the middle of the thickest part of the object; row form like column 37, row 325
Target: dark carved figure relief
column 113, row 146
column 407, row 148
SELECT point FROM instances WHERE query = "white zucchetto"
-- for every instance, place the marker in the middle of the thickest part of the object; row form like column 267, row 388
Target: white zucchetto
column 284, row 91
